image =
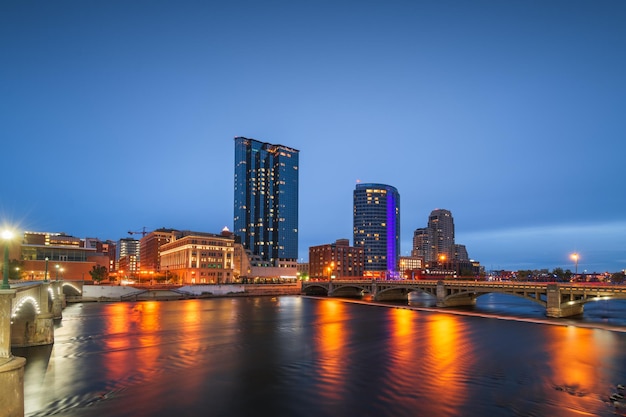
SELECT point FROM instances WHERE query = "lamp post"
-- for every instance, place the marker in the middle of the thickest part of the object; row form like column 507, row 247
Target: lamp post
column 57, row 267
column 575, row 258
column 6, row 236
column 45, row 275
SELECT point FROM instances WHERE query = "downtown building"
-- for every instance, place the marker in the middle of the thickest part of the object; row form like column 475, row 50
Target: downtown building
column 435, row 245
column 57, row 256
column 266, row 205
column 150, row 248
column 376, row 228
column 128, row 257
column 336, row 260
column 199, row 258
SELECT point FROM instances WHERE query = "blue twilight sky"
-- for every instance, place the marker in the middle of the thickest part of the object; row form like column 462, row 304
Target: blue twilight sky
column 115, row 115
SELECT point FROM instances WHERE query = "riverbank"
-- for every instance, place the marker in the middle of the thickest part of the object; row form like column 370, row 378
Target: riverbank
column 107, row 293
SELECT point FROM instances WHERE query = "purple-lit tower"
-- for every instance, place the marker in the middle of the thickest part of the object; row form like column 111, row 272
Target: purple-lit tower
column 377, row 228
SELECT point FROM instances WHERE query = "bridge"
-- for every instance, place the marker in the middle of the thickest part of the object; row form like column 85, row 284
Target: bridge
column 559, row 299
column 27, row 314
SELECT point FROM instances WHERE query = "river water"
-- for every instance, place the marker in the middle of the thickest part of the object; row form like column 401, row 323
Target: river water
column 298, row 356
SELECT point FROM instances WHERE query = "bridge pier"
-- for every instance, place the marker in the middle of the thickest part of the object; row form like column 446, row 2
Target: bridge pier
column 558, row 307
column 58, row 299
column 444, row 299
column 34, row 323
column 39, row 331
column 11, row 367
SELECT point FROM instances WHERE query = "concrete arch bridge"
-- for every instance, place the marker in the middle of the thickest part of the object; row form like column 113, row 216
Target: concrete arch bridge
column 559, row 299
column 32, row 308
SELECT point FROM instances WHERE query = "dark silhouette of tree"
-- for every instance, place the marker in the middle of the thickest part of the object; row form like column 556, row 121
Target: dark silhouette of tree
column 99, row 273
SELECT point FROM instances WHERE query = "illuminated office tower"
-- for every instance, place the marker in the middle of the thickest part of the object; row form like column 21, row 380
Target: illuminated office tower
column 441, row 227
column 377, row 228
column 266, row 201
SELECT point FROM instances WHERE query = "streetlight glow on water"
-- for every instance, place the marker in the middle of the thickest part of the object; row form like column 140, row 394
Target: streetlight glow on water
column 324, row 357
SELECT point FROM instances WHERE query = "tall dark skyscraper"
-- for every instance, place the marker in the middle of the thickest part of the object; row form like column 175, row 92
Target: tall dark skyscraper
column 266, row 200
column 441, row 225
column 377, row 227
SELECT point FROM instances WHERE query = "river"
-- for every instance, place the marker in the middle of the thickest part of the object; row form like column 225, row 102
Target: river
column 299, row 356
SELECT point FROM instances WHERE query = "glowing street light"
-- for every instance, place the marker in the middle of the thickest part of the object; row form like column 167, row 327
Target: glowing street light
column 45, row 275
column 575, row 257
column 7, row 235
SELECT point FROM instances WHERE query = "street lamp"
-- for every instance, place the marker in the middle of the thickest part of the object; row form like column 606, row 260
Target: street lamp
column 57, row 267
column 6, row 236
column 575, row 258
column 45, row 275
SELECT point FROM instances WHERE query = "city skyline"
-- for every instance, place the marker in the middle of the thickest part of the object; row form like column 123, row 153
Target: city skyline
column 120, row 116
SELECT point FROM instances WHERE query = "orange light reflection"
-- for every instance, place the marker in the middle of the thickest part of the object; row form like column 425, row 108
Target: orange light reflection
column 449, row 356
column 577, row 360
column 331, row 345
column 116, row 342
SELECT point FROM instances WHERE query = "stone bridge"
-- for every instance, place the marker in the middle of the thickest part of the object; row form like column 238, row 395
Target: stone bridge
column 27, row 314
column 559, row 299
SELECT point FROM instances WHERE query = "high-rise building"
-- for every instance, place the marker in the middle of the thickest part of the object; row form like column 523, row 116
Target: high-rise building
column 128, row 250
column 441, row 227
column 435, row 246
column 421, row 244
column 460, row 253
column 377, row 228
column 266, row 201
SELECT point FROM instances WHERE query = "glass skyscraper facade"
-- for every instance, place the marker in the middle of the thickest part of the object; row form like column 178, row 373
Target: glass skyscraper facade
column 266, row 200
column 377, row 228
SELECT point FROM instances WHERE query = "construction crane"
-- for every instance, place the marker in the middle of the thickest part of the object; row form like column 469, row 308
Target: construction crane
column 143, row 232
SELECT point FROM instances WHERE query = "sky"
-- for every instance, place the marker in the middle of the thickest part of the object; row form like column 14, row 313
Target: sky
column 120, row 115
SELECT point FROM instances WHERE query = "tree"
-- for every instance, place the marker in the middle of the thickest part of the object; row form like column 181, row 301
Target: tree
column 16, row 269
column 617, row 278
column 99, row 273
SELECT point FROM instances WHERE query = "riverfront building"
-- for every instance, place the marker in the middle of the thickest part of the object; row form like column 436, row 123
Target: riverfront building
column 52, row 256
column 376, row 228
column 410, row 267
column 199, row 258
column 150, row 248
column 266, row 202
column 336, row 260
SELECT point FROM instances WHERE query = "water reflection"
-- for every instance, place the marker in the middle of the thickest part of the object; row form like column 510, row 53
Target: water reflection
column 447, row 356
column 330, row 347
column 577, row 363
column 319, row 358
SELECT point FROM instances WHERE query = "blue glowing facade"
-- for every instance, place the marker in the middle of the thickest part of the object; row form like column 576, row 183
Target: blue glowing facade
column 266, row 200
column 377, row 227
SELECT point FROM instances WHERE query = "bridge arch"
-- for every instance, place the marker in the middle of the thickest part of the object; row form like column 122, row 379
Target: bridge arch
column 390, row 293
column 349, row 290
column 24, row 320
column 72, row 290
column 581, row 301
column 315, row 289
column 475, row 295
